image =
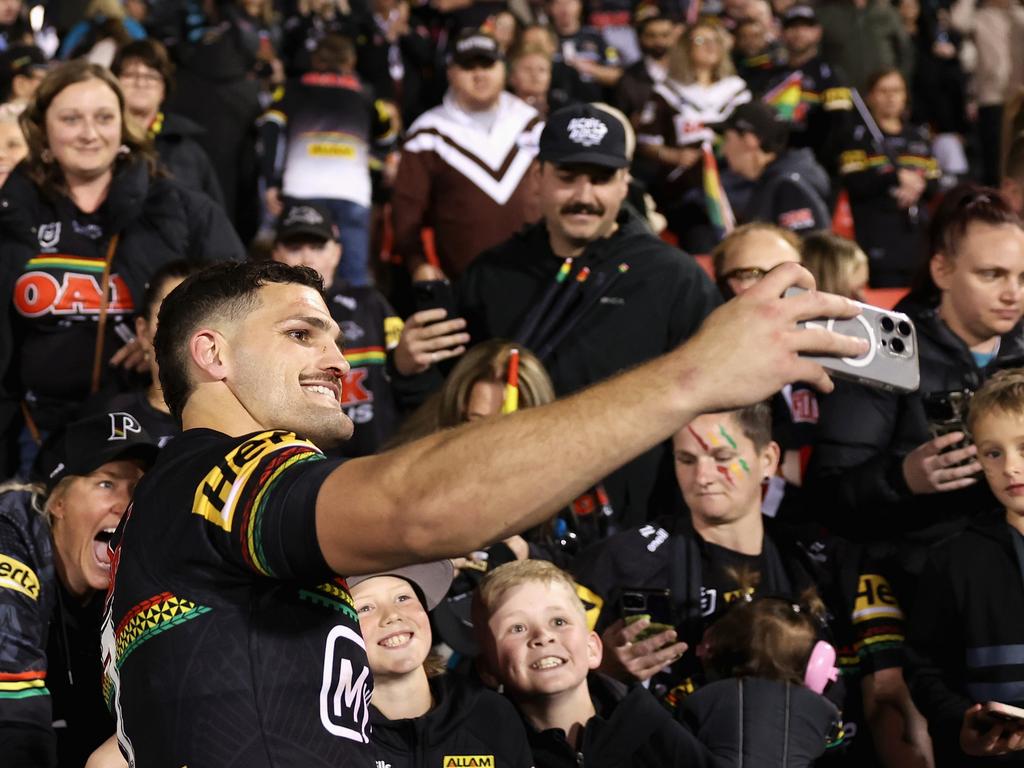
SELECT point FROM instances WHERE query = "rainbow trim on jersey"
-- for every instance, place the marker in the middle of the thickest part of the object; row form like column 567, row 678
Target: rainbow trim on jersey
column 150, row 618
column 23, row 685
column 66, row 262
column 366, row 356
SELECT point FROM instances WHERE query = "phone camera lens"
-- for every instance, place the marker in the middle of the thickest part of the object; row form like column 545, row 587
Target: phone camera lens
column 897, row 346
column 887, row 324
column 904, row 328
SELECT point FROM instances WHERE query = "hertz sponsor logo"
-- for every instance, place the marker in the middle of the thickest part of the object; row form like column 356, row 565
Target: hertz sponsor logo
column 17, row 576
column 875, row 599
column 468, row 761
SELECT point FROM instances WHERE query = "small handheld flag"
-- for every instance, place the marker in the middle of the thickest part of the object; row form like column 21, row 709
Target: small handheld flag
column 511, row 402
column 719, row 210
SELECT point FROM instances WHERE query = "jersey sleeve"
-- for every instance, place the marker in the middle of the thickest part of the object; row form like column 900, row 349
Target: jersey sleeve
column 26, row 734
column 259, row 503
column 879, row 633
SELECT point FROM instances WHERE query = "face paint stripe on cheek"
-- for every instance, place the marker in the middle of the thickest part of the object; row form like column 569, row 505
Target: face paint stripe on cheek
column 703, row 446
column 724, row 472
column 746, row 467
column 728, row 437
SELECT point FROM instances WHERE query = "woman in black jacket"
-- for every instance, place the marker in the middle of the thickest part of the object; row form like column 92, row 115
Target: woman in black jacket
column 84, row 222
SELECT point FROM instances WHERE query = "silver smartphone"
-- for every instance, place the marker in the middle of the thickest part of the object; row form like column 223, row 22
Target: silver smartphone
column 891, row 361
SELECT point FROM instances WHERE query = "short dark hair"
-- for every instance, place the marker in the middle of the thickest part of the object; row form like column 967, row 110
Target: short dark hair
column 179, row 268
column 150, row 52
column 228, row 290
column 334, row 53
column 756, row 423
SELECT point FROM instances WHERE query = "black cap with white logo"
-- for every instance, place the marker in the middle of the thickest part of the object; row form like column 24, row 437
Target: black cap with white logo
column 800, row 14
column 472, row 47
column 86, row 445
column 305, row 219
column 582, row 134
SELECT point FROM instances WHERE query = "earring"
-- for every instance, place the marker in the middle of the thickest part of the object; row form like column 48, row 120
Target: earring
column 46, row 156
column 124, row 149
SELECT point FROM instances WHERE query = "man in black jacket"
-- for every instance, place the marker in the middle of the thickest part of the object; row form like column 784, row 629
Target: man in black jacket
column 626, row 296
column 879, row 471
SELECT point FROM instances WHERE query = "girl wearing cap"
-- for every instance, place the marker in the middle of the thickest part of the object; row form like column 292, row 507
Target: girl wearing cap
column 419, row 717
column 54, row 571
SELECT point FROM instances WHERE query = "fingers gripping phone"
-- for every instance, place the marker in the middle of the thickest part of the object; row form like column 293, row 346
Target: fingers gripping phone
column 891, row 361
column 652, row 604
column 1005, row 712
column 947, row 412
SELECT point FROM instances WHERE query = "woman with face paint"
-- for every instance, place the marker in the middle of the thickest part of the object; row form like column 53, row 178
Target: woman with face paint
column 55, row 564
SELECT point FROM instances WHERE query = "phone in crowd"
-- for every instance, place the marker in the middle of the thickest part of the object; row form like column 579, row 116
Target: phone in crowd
column 434, row 294
column 947, row 412
column 1004, row 712
column 652, row 604
column 891, row 361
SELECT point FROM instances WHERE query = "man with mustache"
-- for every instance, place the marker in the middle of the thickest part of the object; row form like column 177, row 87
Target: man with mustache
column 627, row 298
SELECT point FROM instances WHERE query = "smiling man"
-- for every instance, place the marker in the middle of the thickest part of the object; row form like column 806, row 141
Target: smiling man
column 619, row 318
column 230, row 636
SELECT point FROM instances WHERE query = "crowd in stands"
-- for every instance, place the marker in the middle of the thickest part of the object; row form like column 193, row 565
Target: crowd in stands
column 505, row 203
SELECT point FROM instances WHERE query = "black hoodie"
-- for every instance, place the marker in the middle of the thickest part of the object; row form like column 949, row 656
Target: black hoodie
column 864, row 434
column 468, row 727
column 630, row 729
column 967, row 634
column 791, row 193
column 177, row 142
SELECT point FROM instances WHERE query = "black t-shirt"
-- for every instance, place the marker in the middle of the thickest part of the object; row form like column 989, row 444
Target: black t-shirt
column 723, row 570
column 227, row 640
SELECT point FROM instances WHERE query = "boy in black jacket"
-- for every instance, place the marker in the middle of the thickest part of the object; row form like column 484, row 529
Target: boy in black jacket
column 534, row 639
column 967, row 632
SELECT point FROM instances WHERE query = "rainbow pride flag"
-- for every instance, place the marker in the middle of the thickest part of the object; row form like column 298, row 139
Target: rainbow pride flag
column 787, row 97
column 719, row 210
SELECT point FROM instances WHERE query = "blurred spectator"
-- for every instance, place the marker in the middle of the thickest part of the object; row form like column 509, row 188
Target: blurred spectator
column 312, row 22
column 563, row 77
column 839, row 266
column 54, row 536
column 1012, row 185
column 146, row 75
column 585, row 50
column 621, row 317
column 418, row 714
column 994, row 78
column 890, row 175
column 657, row 34
column 723, row 549
column 472, row 153
column 504, row 28
column 701, row 90
column 529, row 76
column 307, row 236
column 821, row 115
column 756, row 53
column 862, row 37
column 24, row 67
column 87, row 221
column 750, row 252
column 896, row 468
column 790, row 188
column 614, row 20
column 733, row 12
column 394, row 56
column 938, row 86
column 967, row 622
column 14, row 26
column 323, row 125
column 13, row 148
column 105, row 28
column 146, row 401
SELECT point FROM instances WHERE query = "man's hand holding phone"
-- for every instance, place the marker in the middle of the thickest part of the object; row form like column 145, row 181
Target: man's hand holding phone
column 992, row 729
column 631, row 659
column 428, row 338
column 933, row 468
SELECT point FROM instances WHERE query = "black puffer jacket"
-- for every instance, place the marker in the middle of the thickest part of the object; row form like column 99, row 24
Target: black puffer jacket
column 51, row 262
column 177, row 143
column 864, row 434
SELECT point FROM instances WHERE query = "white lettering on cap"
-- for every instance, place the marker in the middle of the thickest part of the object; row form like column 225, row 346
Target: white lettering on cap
column 121, row 425
column 303, row 214
column 588, row 131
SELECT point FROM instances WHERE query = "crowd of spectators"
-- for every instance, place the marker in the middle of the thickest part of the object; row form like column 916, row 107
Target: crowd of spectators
column 507, row 202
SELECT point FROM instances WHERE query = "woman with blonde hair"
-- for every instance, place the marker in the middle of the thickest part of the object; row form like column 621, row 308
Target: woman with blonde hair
column 839, row 265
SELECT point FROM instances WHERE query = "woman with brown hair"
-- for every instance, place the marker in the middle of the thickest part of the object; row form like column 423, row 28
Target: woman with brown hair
column 85, row 221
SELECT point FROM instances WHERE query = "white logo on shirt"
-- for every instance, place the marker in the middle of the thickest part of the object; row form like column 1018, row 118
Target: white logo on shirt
column 345, row 693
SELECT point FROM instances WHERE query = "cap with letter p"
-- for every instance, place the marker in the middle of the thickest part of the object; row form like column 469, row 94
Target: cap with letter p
column 582, row 134
column 86, row 445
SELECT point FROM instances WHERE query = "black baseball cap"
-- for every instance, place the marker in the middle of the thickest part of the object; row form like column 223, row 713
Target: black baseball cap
column 305, row 219
column 431, row 580
column 86, row 445
column 23, row 59
column 474, row 46
column 763, row 121
column 800, row 14
column 582, row 134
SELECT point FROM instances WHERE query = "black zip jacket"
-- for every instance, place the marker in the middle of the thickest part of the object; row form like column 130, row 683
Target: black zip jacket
column 51, row 260
column 655, row 306
column 630, row 729
column 791, row 193
column 966, row 634
column 467, row 721
column 856, row 475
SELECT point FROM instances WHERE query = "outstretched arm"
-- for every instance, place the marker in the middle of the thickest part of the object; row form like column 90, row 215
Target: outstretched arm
column 465, row 488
